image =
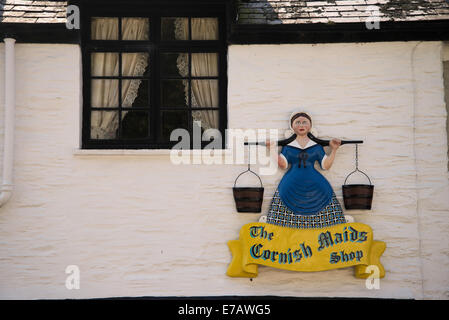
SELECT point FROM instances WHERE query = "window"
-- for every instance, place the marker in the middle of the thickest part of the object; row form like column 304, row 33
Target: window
column 148, row 74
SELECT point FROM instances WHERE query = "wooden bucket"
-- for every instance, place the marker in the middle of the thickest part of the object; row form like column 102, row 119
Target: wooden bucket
column 248, row 199
column 358, row 196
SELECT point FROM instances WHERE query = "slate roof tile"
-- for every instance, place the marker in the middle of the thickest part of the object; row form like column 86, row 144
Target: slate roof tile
column 284, row 12
column 32, row 11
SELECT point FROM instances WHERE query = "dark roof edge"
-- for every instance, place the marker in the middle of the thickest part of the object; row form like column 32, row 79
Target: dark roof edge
column 429, row 30
column 434, row 30
column 40, row 33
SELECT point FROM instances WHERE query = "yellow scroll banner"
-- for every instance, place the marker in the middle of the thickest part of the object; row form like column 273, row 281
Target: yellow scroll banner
column 339, row 246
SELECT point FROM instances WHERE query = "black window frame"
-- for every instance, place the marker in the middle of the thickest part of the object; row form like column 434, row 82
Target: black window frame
column 154, row 46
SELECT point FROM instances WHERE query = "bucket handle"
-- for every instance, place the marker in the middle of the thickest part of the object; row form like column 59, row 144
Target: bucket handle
column 360, row 172
column 357, row 166
column 249, row 169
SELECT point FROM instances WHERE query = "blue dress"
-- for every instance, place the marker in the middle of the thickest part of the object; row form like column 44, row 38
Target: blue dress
column 304, row 198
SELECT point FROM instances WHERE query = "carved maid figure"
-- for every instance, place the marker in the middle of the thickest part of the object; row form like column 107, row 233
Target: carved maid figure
column 304, row 198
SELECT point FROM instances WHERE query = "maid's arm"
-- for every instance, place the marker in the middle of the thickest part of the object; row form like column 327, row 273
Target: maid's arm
column 282, row 161
column 334, row 144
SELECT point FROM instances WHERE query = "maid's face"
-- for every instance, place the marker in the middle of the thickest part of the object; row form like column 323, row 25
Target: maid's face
column 301, row 126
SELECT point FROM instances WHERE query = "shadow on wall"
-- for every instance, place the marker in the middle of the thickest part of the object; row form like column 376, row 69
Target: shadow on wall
column 256, row 12
column 2, row 5
column 446, row 90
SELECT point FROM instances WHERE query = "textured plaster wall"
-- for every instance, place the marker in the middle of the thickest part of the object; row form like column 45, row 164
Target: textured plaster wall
column 137, row 225
column 446, row 86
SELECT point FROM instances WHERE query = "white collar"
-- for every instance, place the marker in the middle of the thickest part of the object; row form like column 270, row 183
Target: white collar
column 296, row 144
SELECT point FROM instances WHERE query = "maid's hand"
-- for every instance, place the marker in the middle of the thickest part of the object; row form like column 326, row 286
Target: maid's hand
column 335, row 143
column 269, row 143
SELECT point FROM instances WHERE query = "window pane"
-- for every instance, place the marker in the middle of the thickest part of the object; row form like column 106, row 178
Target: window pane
column 174, row 93
column 104, row 93
column 204, row 29
column 135, row 29
column 104, row 28
column 135, row 93
column 172, row 120
column 175, row 64
column 207, row 118
column 104, row 124
column 204, row 65
column 104, row 64
column 135, row 64
column 174, row 28
column 135, row 124
column 204, row 93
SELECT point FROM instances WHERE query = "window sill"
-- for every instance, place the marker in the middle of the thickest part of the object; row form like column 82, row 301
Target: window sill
column 148, row 152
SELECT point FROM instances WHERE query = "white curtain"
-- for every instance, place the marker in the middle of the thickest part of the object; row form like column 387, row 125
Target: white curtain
column 204, row 92
column 104, row 124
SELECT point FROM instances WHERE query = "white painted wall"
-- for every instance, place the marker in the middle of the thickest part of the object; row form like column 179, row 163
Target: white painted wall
column 136, row 225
